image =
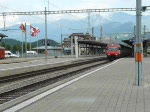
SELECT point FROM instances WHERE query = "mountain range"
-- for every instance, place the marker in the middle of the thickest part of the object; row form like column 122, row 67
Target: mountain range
column 112, row 25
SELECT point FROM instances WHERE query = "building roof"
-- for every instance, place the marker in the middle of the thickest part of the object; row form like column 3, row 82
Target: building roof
column 80, row 34
column 87, row 35
column 48, row 48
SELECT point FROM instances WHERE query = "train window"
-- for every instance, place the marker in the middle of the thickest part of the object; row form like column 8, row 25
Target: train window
column 113, row 49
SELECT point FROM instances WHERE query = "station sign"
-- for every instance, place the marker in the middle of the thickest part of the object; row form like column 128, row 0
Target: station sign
column 132, row 40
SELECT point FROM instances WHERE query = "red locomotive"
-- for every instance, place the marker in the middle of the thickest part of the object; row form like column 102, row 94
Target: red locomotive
column 115, row 51
column 2, row 52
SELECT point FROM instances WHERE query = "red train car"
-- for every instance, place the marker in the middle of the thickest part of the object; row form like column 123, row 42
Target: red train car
column 2, row 52
column 117, row 51
column 113, row 51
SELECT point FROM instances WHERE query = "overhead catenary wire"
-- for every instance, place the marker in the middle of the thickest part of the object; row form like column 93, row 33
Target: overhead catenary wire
column 81, row 21
column 34, row 16
column 68, row 13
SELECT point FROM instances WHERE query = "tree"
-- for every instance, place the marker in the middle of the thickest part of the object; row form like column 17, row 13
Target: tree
column 7, row 47
column 28, row 47
column 16, row 48
column 3, row 44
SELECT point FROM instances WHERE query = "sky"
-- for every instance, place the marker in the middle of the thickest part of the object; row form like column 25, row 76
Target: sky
column 54, row 5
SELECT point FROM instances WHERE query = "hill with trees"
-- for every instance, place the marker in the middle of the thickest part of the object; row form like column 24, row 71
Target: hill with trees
column 15, row 45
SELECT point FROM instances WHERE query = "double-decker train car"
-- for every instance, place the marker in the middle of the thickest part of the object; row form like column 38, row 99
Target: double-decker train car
column 115, row 51
column 2, row 52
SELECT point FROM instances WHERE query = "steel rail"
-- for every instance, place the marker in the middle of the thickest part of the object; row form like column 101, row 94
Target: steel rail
column 5, row 97
column 13, row 82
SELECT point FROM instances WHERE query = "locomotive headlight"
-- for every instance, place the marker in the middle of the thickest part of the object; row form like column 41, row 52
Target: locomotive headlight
column 108, row 54
column 116, row 54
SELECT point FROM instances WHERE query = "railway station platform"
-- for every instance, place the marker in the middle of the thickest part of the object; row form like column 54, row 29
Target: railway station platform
column 110, row 88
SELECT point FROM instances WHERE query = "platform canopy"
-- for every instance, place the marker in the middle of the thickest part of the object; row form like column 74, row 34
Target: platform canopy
column 92, row 42
column 146, row 42
column 129, row 42
column 2, row 36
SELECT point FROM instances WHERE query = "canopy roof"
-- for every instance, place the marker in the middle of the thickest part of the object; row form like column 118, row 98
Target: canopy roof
column 2, row 35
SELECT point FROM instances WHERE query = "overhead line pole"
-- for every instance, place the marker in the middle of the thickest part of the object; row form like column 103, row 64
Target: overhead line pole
column 144, row 48
column 46, row 53
column 25, row 41
column 135, row 40
column 4, row 19
column 93, row 32
column 48, row 5
column 101, row 34
column 61, row 43
column 89, row 22
column 139, row 51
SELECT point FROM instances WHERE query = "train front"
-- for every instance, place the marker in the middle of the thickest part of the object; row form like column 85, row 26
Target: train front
column 113, row 52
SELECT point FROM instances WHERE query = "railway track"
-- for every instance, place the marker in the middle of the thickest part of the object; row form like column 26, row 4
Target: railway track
column 18, row 85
